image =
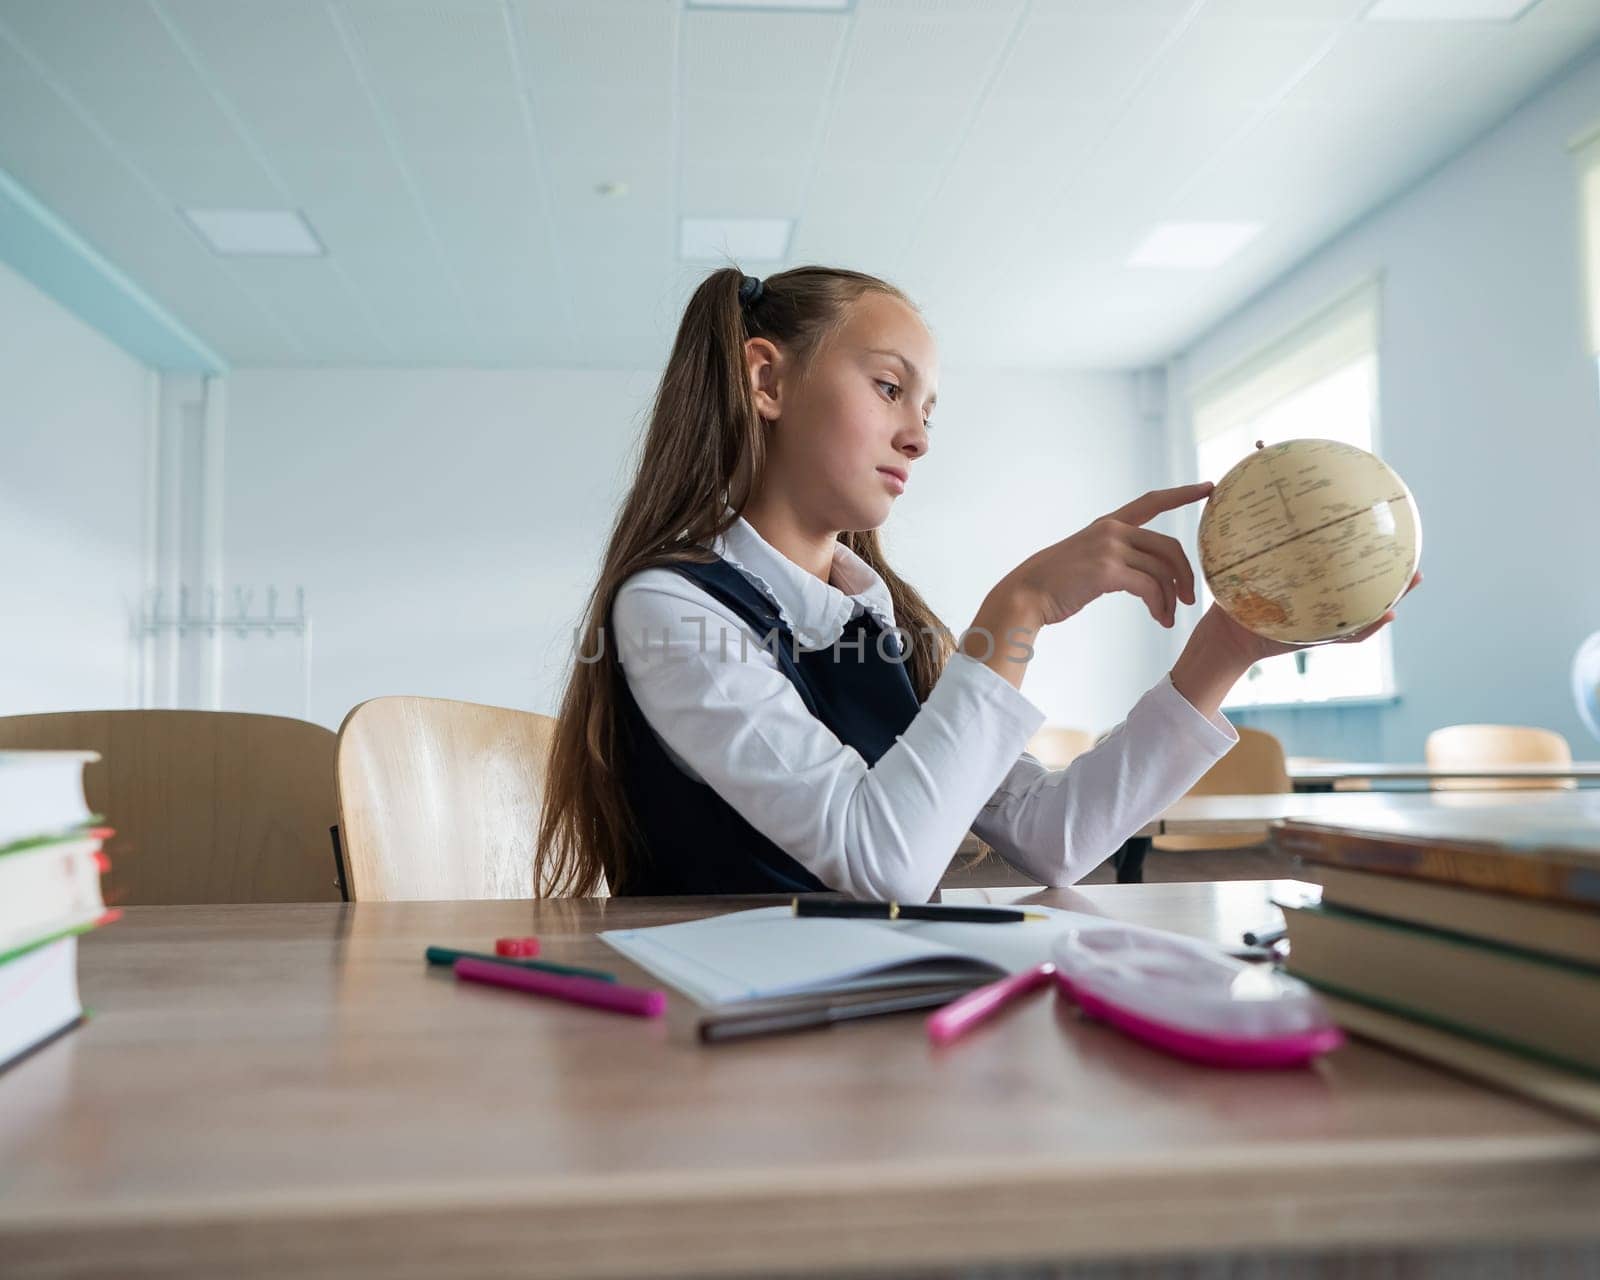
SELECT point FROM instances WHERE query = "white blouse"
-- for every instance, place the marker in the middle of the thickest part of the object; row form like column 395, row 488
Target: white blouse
column 727, row 716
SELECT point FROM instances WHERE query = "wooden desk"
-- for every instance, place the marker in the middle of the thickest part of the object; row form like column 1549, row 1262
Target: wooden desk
column 288, row 1087
column 1323, row 775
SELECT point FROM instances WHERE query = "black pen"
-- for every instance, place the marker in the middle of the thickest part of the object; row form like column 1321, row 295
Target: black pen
column 842, row 908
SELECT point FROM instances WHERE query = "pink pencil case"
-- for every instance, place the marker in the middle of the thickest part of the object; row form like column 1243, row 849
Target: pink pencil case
column 1187, row 998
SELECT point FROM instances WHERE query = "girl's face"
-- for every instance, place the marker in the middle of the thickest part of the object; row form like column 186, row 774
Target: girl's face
column 845, row 434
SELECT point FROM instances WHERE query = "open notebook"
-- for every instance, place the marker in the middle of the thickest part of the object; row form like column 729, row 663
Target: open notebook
column 769, row 953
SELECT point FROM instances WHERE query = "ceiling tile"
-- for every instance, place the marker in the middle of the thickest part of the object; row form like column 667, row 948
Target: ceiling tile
column 144, row 93
column 588, row 140
column 248, row 50
column 1063, row 60
column 752, row 189
column 1385, row 61
column 863, row 242
column 720, row 129
column 757, row 56
column 119, row 61
column 894, row 129
column 1243, row 61
column 580, row 47
column 907, row 52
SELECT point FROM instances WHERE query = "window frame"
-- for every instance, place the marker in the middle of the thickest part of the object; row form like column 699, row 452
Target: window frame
column 1585, row 149
column 1316, row 347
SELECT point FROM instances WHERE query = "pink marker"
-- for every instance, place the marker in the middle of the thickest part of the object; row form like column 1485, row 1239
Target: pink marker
column 588, row 991
column 960, row 1015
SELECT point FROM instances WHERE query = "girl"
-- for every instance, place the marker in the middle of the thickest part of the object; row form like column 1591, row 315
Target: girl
column 761, row 705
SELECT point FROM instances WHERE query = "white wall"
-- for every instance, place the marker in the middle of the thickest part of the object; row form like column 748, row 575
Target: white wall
column 1490, row 410
column 444, row 523
column 74, row 411
column 447, row 524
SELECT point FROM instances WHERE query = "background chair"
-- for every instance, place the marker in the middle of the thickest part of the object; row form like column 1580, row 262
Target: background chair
column 1057, row 746
column 1255, row 766
column 439, row 799
column 1469, row 746
column 975, row 864
column 208, row 806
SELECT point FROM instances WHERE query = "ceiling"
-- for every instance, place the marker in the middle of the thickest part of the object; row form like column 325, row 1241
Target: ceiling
column 1000, row 159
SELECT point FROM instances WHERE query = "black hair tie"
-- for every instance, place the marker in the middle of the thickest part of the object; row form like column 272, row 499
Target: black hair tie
column 750, row 291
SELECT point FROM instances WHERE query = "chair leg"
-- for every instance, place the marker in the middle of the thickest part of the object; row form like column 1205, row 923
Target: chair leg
column 339, row 878
column 1129, row 860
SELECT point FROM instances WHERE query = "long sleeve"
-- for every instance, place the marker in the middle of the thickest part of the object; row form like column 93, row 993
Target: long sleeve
column 729, row 717
column 1057, row 825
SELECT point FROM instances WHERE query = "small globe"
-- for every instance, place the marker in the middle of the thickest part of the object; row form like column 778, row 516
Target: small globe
column 1586, row 683
column 1309, row 540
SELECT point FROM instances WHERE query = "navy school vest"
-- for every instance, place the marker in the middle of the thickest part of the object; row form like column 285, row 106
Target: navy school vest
column 692, row 840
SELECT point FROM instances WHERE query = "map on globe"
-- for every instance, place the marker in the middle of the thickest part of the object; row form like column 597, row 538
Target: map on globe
column 1309, row 540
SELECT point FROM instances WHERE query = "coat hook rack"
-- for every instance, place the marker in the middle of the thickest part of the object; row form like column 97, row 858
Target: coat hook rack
column 240, row 621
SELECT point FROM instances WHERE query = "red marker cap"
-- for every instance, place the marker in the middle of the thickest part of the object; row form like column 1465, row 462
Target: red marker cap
column 524, row 947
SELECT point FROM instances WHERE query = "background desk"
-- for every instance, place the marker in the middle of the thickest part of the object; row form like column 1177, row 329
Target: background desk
column 1322, row 775
column 289, row 1086
column 1234, row 815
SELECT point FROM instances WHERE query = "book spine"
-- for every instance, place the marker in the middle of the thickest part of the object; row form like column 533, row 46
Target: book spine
column 1478, row 868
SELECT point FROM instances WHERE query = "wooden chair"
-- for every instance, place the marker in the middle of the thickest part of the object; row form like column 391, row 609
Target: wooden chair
column 975, row 864
column 208, row 806
column 1057, row 746
column 439, row 799
column 1255, row 766
column 1468, row 746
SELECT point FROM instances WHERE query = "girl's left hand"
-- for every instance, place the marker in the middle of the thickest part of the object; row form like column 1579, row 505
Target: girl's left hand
column 1255, row 647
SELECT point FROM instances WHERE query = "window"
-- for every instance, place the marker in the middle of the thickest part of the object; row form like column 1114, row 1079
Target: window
column 1588, row 155
column 1319, row 380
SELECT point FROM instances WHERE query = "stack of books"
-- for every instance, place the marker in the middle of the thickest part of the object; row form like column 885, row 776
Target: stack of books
column 50, row 867
column 1471, row 938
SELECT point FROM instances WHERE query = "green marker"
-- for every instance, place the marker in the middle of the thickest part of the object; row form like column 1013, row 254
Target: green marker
column 449, row 955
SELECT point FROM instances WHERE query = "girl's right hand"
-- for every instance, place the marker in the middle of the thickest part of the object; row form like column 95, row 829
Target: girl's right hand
column 1115, row 553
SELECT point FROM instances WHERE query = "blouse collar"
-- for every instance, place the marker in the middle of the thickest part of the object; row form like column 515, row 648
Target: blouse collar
column 814, row 610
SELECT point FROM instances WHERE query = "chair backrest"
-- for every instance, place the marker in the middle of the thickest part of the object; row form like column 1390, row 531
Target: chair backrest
column 208, row 806
column 1468, row 746
column 1057, row 746
column 1255, row 766
column 439, row 799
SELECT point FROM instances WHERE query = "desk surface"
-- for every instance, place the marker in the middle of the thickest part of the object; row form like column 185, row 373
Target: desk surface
column 290, row 1084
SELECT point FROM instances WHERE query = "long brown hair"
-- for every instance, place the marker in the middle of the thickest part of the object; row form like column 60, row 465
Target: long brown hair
column 703, row 453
